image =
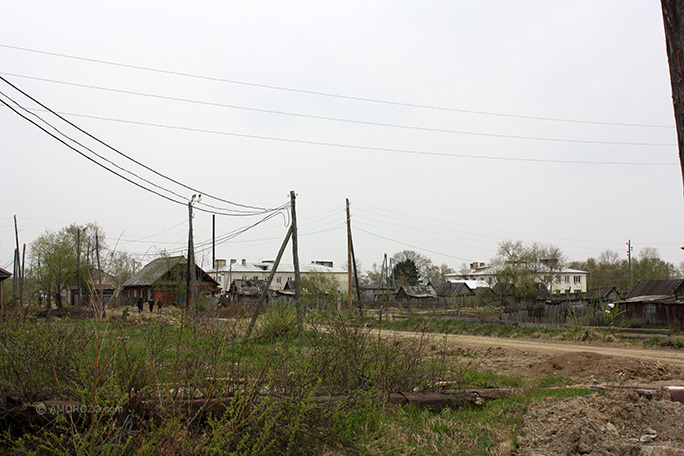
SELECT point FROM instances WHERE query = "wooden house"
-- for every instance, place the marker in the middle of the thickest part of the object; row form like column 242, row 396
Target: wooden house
column 165, row 279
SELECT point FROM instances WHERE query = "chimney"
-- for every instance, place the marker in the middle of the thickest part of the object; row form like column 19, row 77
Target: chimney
column 244, row 262
column 473, row 265
column 233, row 261
column 220, row 263
column 482, row 265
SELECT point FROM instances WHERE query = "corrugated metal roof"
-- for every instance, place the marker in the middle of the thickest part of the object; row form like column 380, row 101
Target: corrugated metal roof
column 662, row 287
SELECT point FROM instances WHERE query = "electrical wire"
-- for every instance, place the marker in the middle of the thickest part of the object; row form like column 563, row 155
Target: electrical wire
column 337, row 119
column 262, row 210
column 376, row 149
column 333, row 95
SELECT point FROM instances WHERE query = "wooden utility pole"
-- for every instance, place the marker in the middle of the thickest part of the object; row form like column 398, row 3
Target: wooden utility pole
column 191, row 286
column 673, row 20
column 629, row 261
column 349, row 259
column 78, row 264
column 297, row 278
column 353, row 257
column 18, row 279
column 267, row 286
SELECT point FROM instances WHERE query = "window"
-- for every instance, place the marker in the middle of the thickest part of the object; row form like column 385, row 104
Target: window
column 558, row 279
column 244, row 277
column 578, row 291
column 279, row 279
column 578, row 279
column 256, row 277
column 567, row 279
column 490, row 280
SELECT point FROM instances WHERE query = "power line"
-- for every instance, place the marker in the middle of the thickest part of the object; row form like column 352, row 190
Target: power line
column 412, row 246
column 337, row 119
column 333, row 95
column 260, row 209
column 357, row 147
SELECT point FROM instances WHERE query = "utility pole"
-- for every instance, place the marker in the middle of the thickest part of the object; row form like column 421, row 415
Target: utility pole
column 264, row 293
column 349, row 259
column 629, row 260
column 78, row 264
column 191, row 286
column 17, row 285
column 353, row 257
column 673, row 21
column 297, row 279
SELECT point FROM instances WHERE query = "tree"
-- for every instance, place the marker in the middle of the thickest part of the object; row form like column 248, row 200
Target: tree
column 58, row 260
column 406, row 273
column 436, row 273
column 518, row 267
column 609, row 270
column 649, row 265
column 421, row 262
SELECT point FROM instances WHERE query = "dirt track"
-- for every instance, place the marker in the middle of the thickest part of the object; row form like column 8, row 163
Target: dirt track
column 673, row 357
column 587, row 363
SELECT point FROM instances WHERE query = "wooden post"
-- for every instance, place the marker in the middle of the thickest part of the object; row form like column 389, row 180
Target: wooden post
column 191, row 287
column 17, row 265
column 673, row 20
column 349, row 260
column 297, row 279
column 78, row 264
column 264, row 293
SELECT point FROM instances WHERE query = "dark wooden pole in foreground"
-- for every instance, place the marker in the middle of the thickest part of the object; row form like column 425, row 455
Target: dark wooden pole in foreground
column 673, row 19
column 297, row 275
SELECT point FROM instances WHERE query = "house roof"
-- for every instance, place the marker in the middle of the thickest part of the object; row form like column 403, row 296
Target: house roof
column 267, row 266
column 600, row 293
column 418, row 291
column 472, row 284
column 449, row 289
column 662, row 287
column 4, row 274
column 153, row 271
column 156, row 269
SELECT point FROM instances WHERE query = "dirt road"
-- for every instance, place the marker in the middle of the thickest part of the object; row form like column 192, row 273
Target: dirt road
column 586, row 362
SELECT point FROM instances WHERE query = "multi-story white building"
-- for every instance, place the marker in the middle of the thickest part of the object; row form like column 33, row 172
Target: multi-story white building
column 563, row 280
column 225, row 273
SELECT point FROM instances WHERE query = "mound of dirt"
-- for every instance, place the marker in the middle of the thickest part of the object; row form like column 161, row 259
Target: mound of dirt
column 603, row 368
column 617, row 423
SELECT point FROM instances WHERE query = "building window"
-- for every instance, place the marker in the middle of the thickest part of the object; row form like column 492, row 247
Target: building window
column 244, row 277
column 490, row 280
column 567, row 279
column 578, row 291
column 558, row 279
column 279, row 279
column 578, row 279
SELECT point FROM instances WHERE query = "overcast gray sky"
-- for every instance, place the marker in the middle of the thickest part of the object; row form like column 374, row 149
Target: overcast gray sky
column 450, row 125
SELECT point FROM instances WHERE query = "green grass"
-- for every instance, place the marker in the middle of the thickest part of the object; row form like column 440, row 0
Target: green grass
column 269, row 409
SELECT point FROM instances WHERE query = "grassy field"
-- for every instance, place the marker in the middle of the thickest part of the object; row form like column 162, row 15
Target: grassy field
column 176, row 385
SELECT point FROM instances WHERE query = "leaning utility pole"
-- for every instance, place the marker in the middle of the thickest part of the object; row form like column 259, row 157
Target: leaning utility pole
column 673, row 20
column 267, row 286
column 191, row 285
column 297, row 278
column 18, row 279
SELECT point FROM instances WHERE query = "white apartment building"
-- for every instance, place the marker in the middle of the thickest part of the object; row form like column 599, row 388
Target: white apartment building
column 563, row 280
column 225, row 273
